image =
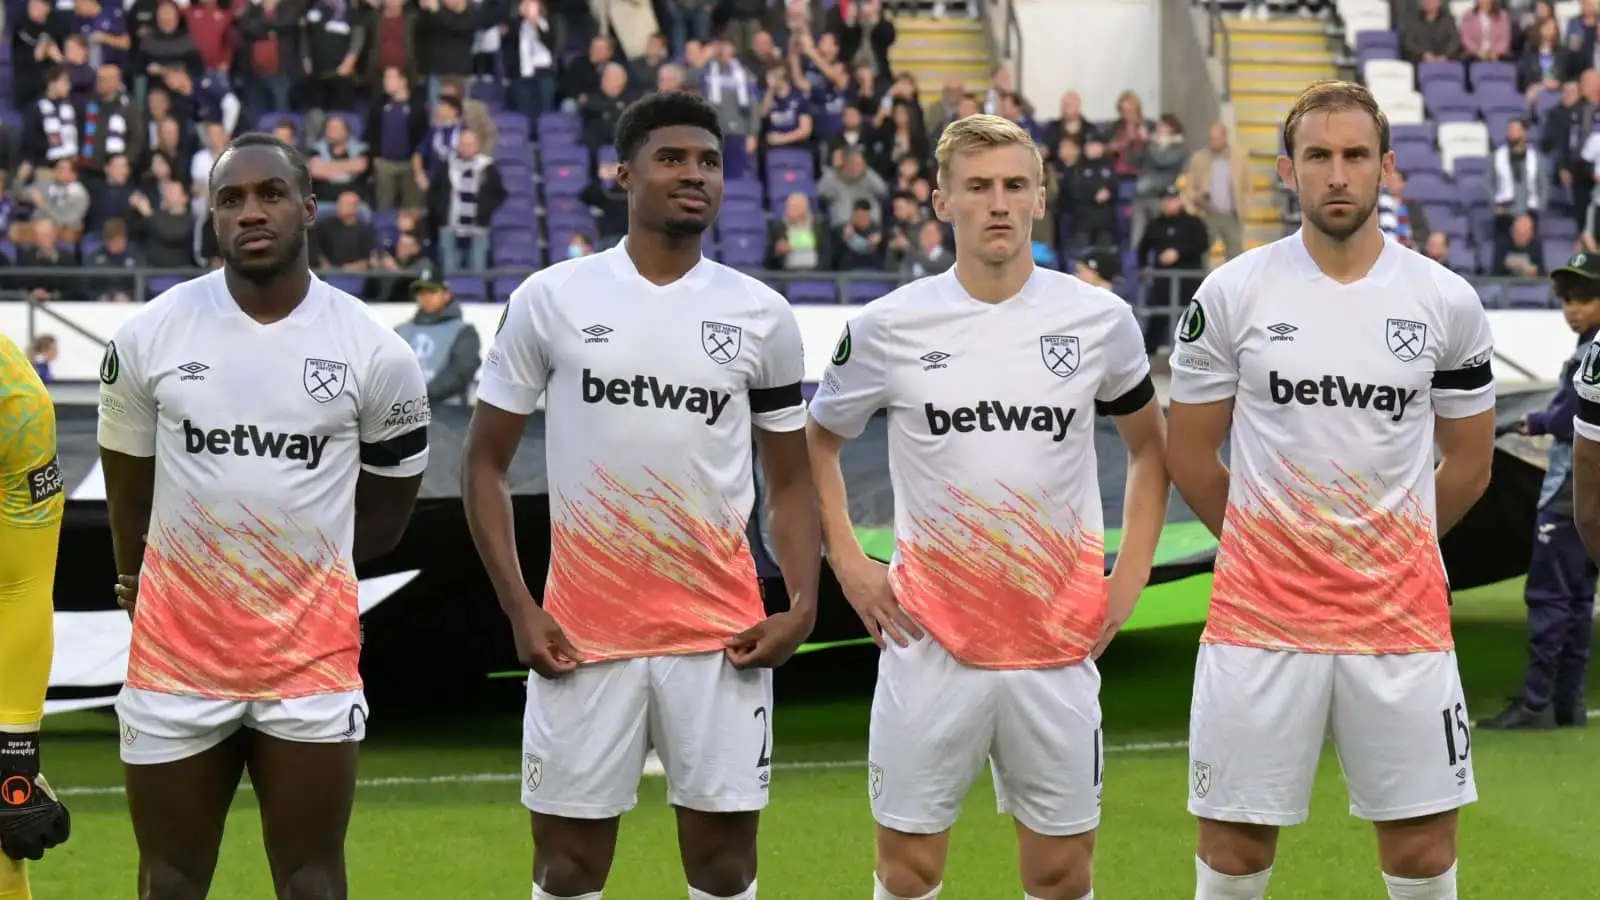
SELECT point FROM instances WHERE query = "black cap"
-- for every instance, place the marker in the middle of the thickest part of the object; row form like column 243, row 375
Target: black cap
column 1581, row 265
column 427, row 281
column 1172, row 191
column 1101, row 262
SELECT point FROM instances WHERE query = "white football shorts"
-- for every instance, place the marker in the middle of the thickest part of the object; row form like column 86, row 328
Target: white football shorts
column 585, row 736
column 163, row 728
column 935, row 721
column 1259, row 718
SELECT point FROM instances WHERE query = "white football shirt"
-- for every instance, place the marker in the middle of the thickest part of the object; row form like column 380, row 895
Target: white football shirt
column 1329, row 543
column 999, row 543
column 248, row 590
column 650, row 393
column 1586, row 379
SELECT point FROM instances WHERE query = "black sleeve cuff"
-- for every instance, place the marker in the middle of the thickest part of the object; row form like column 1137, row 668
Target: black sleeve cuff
column 1130, row 402
column 1469, row 379
column 765, row 400
column 1589, row 412
column 387, row 454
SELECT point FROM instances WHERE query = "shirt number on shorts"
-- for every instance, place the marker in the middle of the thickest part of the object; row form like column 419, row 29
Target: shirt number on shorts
column 1456, row 720
column 763, row 760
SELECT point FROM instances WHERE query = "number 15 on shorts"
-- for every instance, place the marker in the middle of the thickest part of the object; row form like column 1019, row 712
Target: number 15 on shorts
column 1457, row 735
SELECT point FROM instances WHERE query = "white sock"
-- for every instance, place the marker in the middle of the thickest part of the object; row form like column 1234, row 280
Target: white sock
column 539, row 893
column 748, row 893
column 1439, row 887
column 879, row 892
column 1213, row 885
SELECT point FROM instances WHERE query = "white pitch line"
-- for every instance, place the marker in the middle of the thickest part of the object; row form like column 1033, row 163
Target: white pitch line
column 505, row 777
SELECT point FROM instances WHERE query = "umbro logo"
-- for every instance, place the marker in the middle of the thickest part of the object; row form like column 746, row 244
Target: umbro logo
column 935, row 360
column 193, row 371
column 596, row 334
column 1282, row 331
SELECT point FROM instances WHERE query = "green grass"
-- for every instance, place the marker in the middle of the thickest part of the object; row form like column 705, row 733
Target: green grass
column 1530, row 835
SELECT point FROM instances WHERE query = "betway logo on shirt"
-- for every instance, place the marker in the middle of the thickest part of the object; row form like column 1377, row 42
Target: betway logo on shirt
column 252, row 440
column 1336, row 390
column 992, row 415
column 647, row 390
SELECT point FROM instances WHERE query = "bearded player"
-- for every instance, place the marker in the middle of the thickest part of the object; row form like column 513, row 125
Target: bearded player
column 266, row 434
column 654, row 364
column 1333, row 361
column 996, row 603
column 32, row 820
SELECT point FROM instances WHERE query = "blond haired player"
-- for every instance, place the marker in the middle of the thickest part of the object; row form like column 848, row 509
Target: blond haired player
column 1333, row 361
column 997, row 600
column 31, row 501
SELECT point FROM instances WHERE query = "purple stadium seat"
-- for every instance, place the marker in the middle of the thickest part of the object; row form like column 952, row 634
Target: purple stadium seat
column 504, row 286
column 1461, row 259
column 565, row 181
column 1529, row 296
column 1471, row 165
column 1415, row 156
column 1429, row 187
column 1448, row 101
column 742, row 250
column 1480, row 221
column 160, row 284
column 564, row 154
column 863, row 291
column 1440, row 72
column 745, row 221
column 811, row 292
column 1449, row 222
column 510, row 121
column 1484, row 256
column 354, row 121
column 1377, row 45
column 1472, row 189
column 559, row 127
column 1424, row 132
column 1559, row 227
column 1556, row 250
column 491, row 92
column 741, row 207
column 744, row 188
column 469, row 290
column 350, row 284
column 1493, row 295
column 557, row 205
column 606, row 154
column 1485, row 73
column 520, row 190
column 784, row 159
column 89, row 243
column 1545, row 101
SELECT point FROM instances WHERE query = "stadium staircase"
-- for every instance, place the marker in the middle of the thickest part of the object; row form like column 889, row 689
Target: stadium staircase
column 937, row 50
column 1270, row 63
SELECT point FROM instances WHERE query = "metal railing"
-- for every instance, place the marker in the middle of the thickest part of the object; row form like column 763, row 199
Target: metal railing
column 1219, row 27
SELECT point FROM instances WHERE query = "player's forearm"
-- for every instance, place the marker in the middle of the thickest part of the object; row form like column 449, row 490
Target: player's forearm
column 1586, row 493
column 1144, row 511
column 1457, row 486
column 486, row 493
column 833, row 503
column 1202, row 481
column 797, row 539
column 130, row 496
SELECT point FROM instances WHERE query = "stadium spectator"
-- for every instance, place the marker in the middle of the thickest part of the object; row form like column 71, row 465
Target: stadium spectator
column 449, row 28
column 1098, row 267
column 61, row 198
column 944, row 110
column 461, row 201
column 168, row 230
column 1001, row 82
column 864, row 36
column 905, row 221
column 75, row 59
column 1437, row 248
column 1175, row 240
column 331, row 39
column 842, row 189
column 397, row 127
column 1525, row 24
column 930, row 256
column 211, row 27
column 688, row 20
column 579, row 245
column 853, row 133
column 763, row 54
column 35, row 48
column 786, row 119
column 447, row 347
column 109, row 198
column 1129, row 136
column 1486, row 32
column 1071, row 125
column 859, row 244
column 1094, row 201
column 1544, row 61
column 724, row 81
column 830, row 97
column 408, row 257
column 581, row 77
column 1065, row 166
column 798, row 241
column 1581, row 31
column 166, row 46
column 1217, row 186
column 603, row 107
column 530, row 62
column 671, row 77
column 344, row 241
column 475, row 113
column 394, row 28
column 112, row 125
column 903, row 139
column 1563, row 131
column 1398, row 216
column 1432, row 35
column 1522, row 256
column 48, row 250
column 50, row 127
column 215, row 136
column 609, row 203
column 338, row 161
column 114, row 253
column 1013, row 108
column 268, row 33
column 1159, row 161
column 1519, row 183
column 43, row 352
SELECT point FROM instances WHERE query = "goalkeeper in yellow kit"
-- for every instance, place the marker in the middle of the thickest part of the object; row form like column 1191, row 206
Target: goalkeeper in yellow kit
column 32, row 820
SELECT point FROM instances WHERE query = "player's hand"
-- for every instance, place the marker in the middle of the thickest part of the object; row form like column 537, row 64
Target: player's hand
column 865, row 583
column 542, row 646
column 771, row 642
column 1122, row 595
column 127, row 591
column 32, row 820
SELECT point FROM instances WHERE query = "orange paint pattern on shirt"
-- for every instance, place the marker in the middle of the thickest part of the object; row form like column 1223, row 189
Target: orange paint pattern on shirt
column 1016, row 584
column 643, row 571
column 240, row 611
column 1320, row 567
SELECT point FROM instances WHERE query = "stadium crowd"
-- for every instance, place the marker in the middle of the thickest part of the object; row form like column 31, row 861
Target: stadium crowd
column 433, row 126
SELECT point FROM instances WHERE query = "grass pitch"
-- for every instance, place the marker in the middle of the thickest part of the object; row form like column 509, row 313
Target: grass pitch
column 438, row 815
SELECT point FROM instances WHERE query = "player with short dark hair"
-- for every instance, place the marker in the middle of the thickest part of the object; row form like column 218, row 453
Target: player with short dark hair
column 260, row 434
column 653, row 363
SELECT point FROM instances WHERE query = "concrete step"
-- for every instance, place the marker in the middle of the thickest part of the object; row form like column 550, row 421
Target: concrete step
column 1303, row 70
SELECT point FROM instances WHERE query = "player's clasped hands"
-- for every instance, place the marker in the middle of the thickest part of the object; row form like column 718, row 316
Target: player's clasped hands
column 865, row 583
column 772, row 642
column 541, row 644
column 127, row 591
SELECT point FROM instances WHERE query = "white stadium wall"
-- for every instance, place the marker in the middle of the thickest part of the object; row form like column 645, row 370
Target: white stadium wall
column 1098, row 48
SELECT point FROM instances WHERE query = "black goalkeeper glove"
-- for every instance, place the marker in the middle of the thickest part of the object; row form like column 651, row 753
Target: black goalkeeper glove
column 32, row 820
